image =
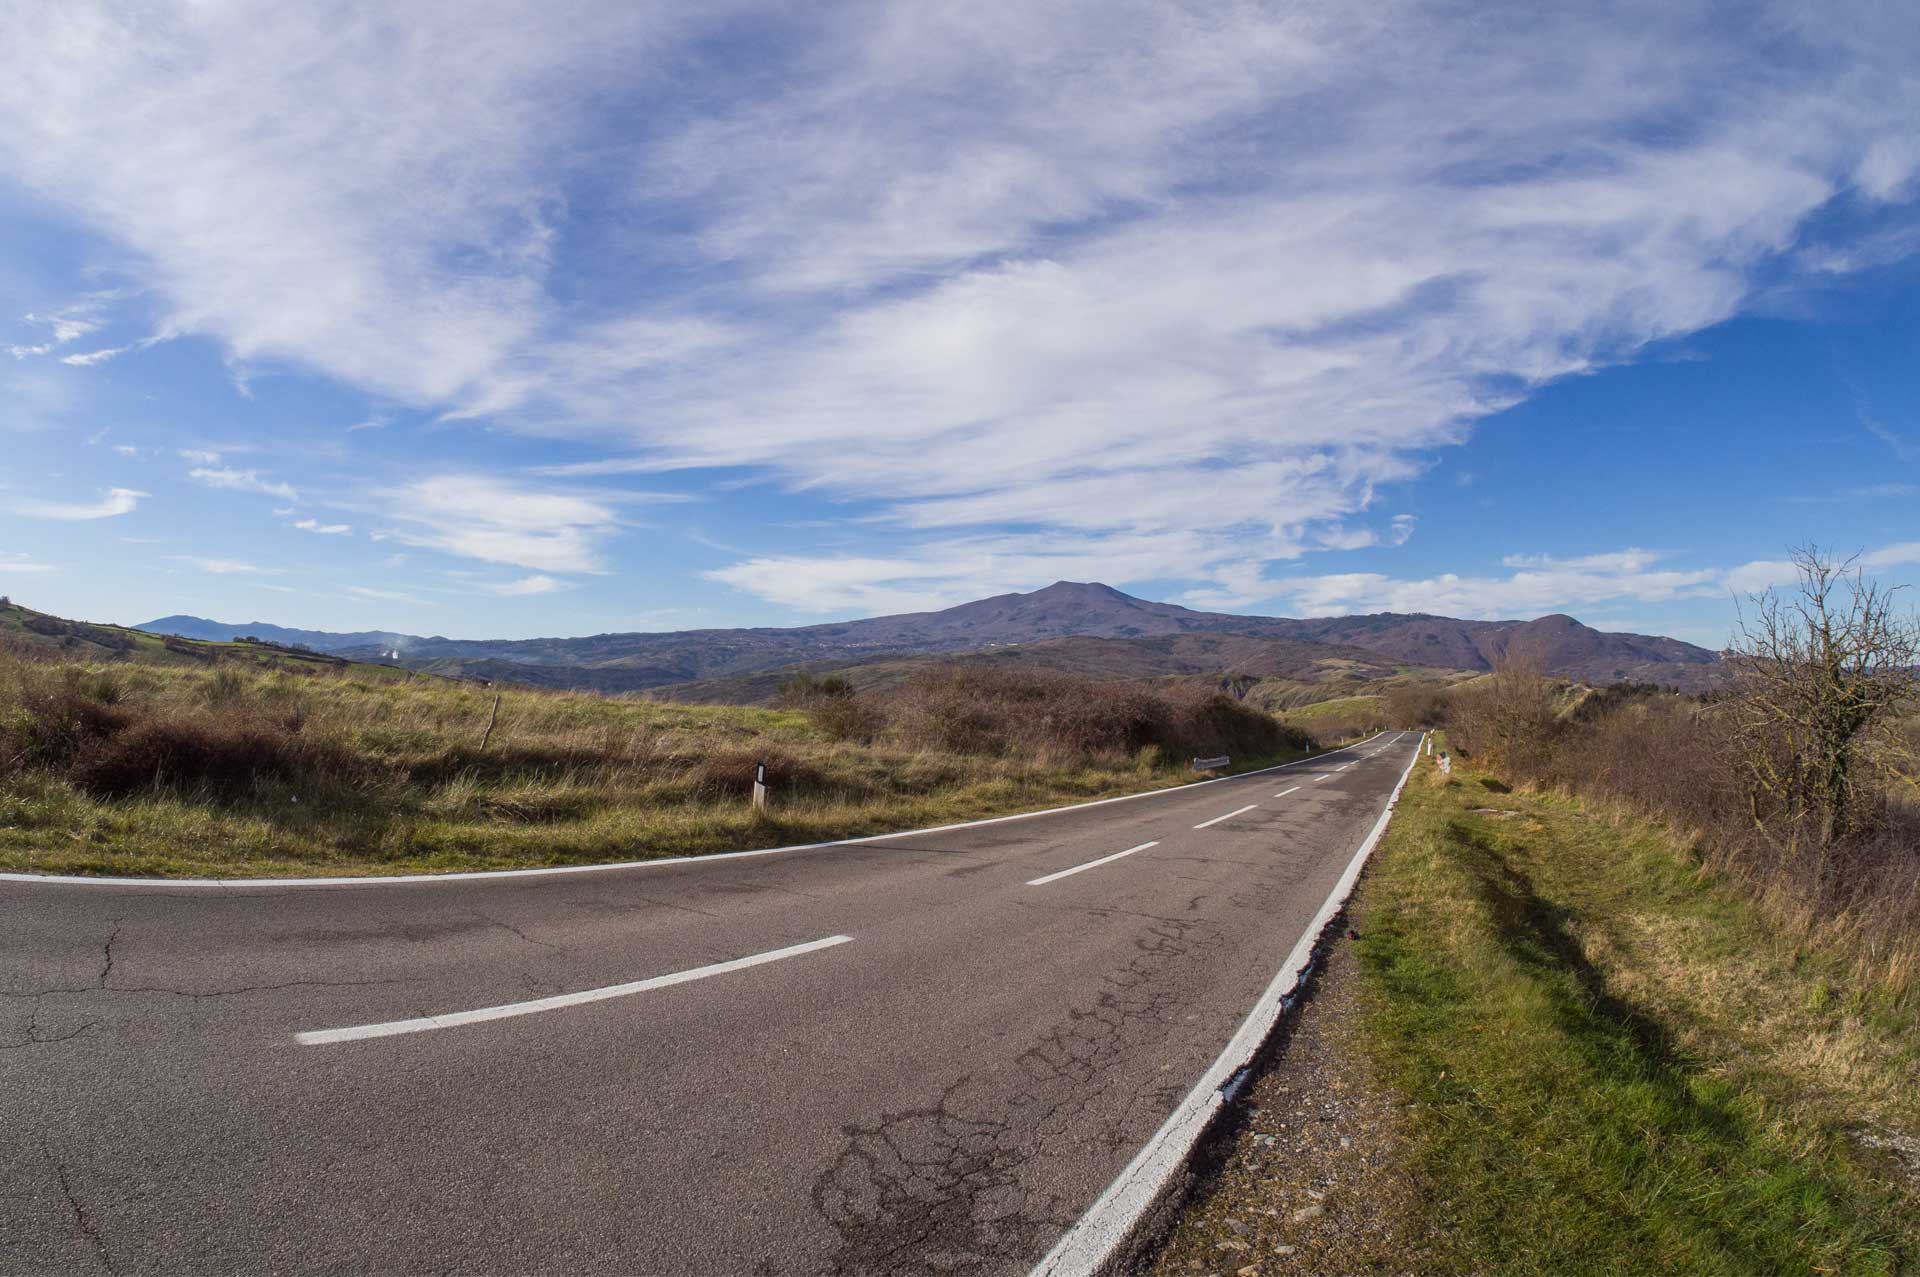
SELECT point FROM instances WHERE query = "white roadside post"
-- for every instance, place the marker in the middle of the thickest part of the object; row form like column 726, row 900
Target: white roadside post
column 760, row 786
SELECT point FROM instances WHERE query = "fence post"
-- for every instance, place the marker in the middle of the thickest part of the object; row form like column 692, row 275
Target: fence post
column 491, row 720
column 760, row 786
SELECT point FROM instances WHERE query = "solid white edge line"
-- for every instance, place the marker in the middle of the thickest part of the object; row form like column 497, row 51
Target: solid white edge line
column 1091, row 864
column 453, row 1019
column 1090, row 1244
column 1229, row 816
column 1283, row 793
column 397, row 880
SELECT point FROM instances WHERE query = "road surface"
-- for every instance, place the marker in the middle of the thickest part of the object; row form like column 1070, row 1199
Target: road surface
column 931, row 1052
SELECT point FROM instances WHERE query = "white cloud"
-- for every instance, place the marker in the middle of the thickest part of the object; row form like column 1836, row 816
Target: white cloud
column 115, row 502
column 942, row 573
column 491, row 519
column 1760, row 575
column 229, row 567
column 242, row 481
column 200, row 457
column 536, row 584
column 323, row 529
column 1901, row 554
column 89, row 358
column 17, row 564
column 1084, row 268
column 1542, row 584
column 68, row 324
column 385, row 596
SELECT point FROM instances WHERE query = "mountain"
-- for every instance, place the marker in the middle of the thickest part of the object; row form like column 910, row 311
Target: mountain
column 1558, row 645
column 1555, row 644
column 1223, row 659
column 194, row 627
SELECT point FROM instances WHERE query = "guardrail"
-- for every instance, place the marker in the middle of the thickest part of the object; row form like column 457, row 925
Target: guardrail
column 1211, row 764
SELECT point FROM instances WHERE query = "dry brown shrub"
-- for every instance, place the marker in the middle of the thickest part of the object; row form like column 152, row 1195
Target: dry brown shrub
column 222, row 754
column 973, row 710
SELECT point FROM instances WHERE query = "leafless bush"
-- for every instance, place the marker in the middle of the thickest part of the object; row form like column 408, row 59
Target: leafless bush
column 1798, row 783
column 834, row 706
column 1823, row 673
column 1512, row 719
column 973, row 710
column 1416, row 705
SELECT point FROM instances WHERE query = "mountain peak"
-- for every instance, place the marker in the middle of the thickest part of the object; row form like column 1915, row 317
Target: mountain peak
column 1080, row 589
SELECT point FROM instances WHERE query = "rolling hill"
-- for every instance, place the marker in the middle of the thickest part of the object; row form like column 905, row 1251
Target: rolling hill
column 25, row 630
column 625, row 662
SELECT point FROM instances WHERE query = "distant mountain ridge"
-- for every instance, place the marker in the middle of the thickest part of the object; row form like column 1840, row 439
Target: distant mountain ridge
column 195, row 627
column 1556, row 644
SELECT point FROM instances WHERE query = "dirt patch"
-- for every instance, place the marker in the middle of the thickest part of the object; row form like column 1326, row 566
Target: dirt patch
column 1316, row 1177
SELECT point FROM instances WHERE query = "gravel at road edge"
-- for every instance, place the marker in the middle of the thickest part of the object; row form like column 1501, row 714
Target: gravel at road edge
column 1312, row 1175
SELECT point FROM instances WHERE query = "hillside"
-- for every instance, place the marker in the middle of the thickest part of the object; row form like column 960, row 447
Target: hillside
column 635, row 662
column 38, row 634
column 1216, row 658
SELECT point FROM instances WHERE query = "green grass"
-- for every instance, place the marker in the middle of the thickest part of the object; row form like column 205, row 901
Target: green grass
column 1613, row 1066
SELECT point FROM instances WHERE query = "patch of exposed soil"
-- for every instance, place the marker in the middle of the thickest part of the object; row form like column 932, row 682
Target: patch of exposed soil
column 1314, row 1176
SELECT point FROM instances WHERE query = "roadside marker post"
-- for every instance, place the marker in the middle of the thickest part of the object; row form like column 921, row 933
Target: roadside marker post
column 760, row 786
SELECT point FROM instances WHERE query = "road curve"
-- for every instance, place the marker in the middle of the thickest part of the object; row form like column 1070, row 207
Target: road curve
column 929, row 1052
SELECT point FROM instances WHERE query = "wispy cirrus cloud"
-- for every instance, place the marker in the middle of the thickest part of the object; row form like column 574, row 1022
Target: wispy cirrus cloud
column 111, row 504
column 322, row 529
column 538, row 583
column 228, row 567
column 1083, row 270
column 22, row 564
column 235, row 480
column 1542, row 583
column 376, row 594
column 495, row 520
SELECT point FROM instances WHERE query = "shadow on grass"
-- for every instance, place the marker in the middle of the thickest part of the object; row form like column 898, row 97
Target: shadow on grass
column 1674, row 1159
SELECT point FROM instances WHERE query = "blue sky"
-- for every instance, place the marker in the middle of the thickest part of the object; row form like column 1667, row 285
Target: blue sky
column 459, row 319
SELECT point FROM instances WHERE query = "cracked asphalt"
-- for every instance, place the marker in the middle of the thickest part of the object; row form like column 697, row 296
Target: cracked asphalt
column 946, row 1093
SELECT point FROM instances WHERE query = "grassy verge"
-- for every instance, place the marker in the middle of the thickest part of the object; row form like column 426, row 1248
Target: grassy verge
column 140, row 769
column 1555, row 1047
column 1613, row 1064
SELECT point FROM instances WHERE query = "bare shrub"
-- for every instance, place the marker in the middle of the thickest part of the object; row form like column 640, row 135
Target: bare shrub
column 1799, row 782
column 975, row 710
column 1417, row 705
column 731, row 772
column 1823, row 672
column 1512, row 718
column 833, row 706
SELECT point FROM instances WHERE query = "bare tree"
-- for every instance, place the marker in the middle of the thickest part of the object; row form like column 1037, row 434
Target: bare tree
column 1512, row 717
column 1823, row 670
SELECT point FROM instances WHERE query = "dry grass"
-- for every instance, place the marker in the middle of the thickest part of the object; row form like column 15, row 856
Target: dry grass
column 137, row 769
column 1613, row 1061
column 1664, row 756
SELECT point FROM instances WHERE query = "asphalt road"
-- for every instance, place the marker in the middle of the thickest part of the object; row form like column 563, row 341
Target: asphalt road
column 946, row 1087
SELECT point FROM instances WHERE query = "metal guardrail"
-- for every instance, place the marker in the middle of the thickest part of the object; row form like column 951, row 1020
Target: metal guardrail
column 1211, row 764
